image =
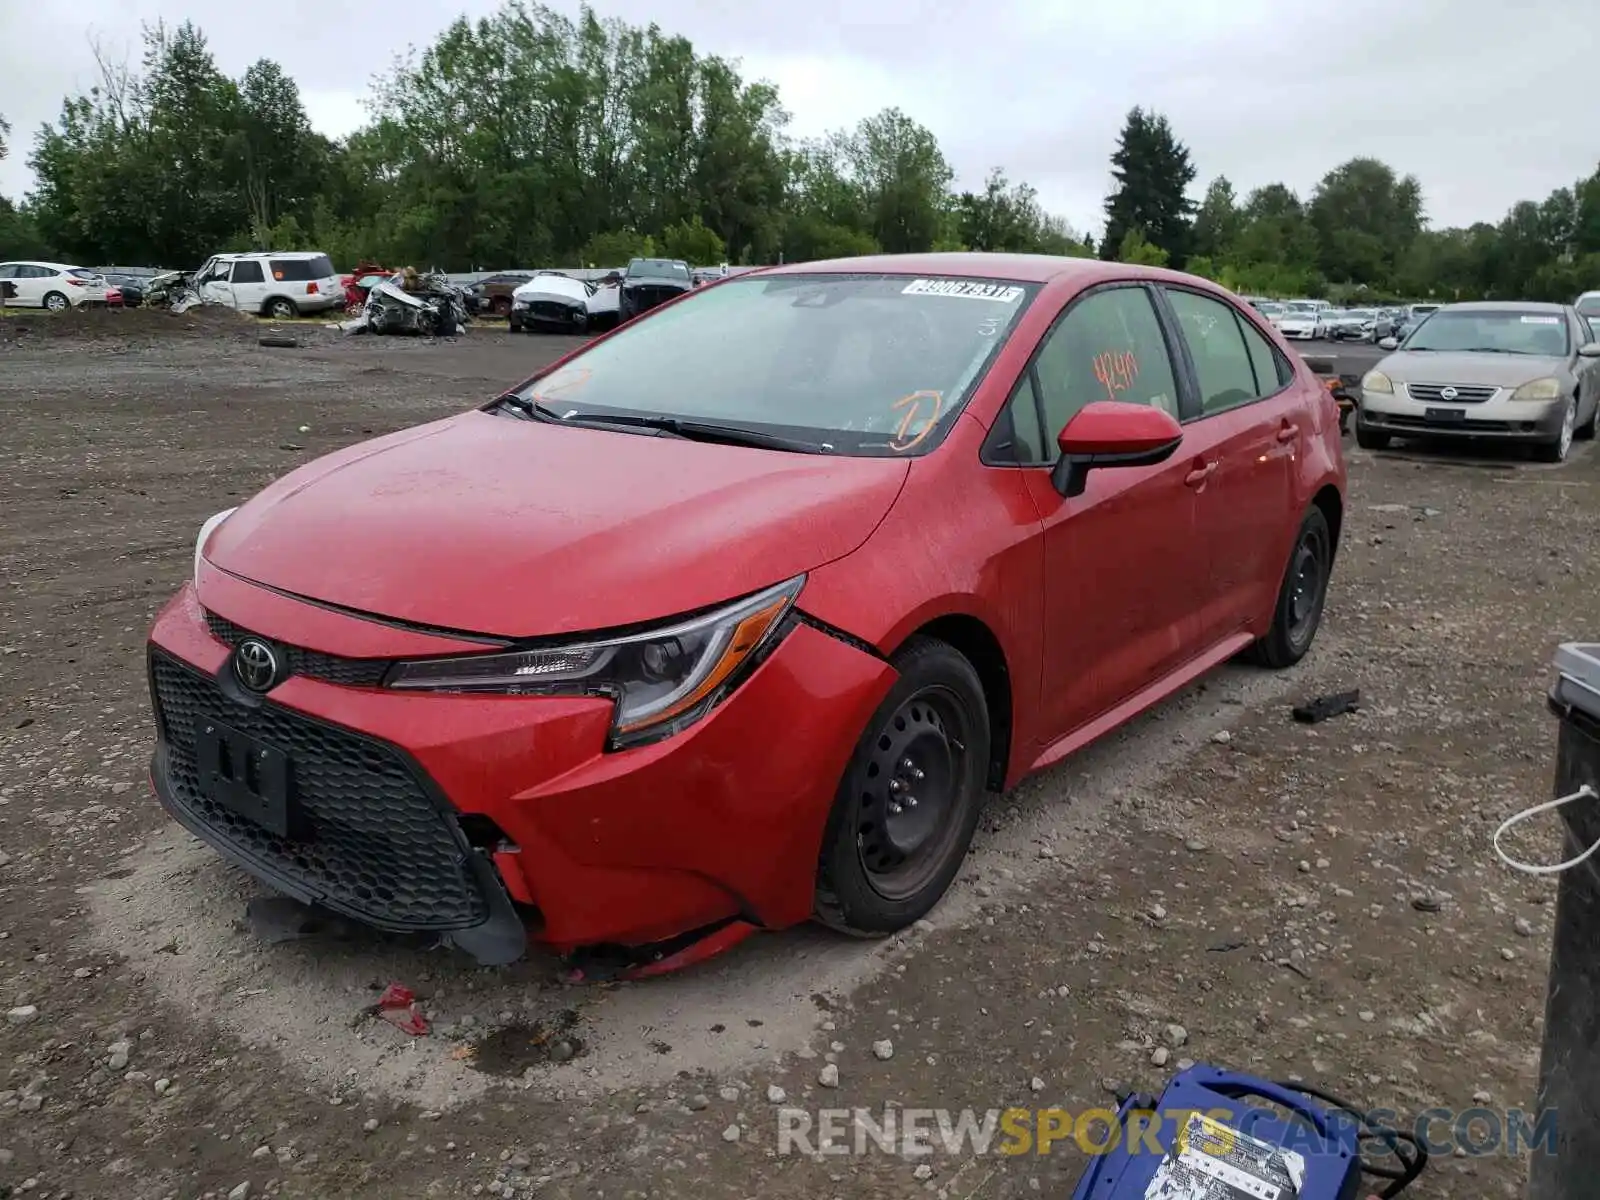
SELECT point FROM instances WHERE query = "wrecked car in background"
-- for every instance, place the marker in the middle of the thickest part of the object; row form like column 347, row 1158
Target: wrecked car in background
column 173, row 289
column 278, row 283
column 651, row 281
column 495, row 294
column 411, row 301
column 555, row 301
column 550, row 300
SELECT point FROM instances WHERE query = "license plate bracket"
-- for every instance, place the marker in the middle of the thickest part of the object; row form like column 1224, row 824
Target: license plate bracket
column 1444, row 416
column 245, row 775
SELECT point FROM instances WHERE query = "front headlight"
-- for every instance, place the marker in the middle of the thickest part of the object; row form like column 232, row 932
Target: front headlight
column 1548, row 388
column 662, row 680
column 205, row 532
column 1377, row 381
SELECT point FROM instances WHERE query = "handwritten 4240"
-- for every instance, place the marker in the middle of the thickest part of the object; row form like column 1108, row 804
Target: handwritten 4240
column 1117, row 370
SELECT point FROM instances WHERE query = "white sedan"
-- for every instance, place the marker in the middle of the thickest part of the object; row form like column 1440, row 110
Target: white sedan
column 53, row 286
column 1298, row 324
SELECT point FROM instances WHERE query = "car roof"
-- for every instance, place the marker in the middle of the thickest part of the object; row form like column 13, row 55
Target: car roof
column 1019, row 268
column 271, row 254
column 34, row 262
column 1527, row 306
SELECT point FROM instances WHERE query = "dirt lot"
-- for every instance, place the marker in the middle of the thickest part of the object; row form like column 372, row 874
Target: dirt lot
column 1318, row 902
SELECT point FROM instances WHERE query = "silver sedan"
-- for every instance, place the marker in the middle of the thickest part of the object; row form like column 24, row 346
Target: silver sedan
column 1512, row 370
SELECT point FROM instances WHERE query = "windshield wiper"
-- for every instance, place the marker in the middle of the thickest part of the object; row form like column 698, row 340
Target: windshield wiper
column 528, row 408
column 704, row 431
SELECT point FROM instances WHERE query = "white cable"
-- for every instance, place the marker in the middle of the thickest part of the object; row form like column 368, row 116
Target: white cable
column 1584, row 792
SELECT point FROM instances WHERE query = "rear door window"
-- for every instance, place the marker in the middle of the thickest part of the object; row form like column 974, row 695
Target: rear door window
column 292, row 270
column 1222, row 361
column 248, row 271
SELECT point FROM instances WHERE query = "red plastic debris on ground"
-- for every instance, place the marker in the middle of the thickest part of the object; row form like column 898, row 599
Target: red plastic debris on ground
column 398, row 1006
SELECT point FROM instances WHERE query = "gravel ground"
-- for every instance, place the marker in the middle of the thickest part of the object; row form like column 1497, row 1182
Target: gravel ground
column 1215, row 883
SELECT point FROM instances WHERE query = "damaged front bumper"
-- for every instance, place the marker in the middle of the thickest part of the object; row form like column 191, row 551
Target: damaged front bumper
column 555, row 313
column 490, row 820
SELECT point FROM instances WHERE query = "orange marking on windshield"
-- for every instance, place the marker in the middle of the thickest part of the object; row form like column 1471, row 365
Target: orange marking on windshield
column 1117, row 370
column 908, row 433
column 579, row 377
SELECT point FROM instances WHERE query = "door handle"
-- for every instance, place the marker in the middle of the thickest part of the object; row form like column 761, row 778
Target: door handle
column 1199, row 475
column 1288, row 431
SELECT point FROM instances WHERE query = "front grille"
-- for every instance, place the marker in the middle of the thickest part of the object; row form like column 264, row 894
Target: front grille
column 314, row 664
column 1465, row 393
column 1424, row 425
column 554, row 311
column 647, row 296
column 371, row 842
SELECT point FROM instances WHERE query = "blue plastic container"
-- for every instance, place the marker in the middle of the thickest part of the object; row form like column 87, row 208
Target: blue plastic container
column 1217, row 1135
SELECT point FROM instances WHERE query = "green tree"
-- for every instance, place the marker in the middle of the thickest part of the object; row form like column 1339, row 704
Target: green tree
column 1153, row 173
column 1218, row 221
column 615, row 248
column 691, row 241
column 1365, row 219
column 901, row 177
column 1136, row 249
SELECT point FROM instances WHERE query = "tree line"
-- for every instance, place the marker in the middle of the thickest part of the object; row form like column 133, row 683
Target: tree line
column 529, row 137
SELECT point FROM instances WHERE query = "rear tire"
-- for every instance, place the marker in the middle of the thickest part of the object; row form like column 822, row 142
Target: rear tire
column 56, row 302
column 1297, row 615
column 280, row 309
column 888, row 854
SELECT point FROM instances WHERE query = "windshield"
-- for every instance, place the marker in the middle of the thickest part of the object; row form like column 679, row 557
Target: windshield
column 1497, row 331
column 1589, row 305
column 649, row 268
column 1360, row 314
column 1270, row 310
column 876, row 365
column 1300, row 309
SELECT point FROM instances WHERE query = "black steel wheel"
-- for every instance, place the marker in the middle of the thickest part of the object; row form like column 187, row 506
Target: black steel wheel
column 1301, row 597
column 909, row 801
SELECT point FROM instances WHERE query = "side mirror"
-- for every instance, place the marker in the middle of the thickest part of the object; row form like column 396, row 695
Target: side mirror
column 1388, row 343
column 1111, row 433
column 1589, row 350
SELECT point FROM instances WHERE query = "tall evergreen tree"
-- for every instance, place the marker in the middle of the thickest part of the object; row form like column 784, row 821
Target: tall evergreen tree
column 1153, row 172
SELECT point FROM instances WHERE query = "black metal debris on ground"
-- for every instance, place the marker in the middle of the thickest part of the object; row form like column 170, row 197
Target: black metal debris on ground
column 1335, row 704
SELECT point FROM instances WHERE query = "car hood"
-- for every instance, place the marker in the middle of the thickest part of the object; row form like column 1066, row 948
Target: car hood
column 487, row 524
column 553, row 287
column 1489, row 370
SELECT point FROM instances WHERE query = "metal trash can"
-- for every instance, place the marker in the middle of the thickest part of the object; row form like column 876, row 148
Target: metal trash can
column 1569, row 1063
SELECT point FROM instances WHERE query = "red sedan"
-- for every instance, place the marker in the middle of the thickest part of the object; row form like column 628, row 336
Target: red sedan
column 731, row 618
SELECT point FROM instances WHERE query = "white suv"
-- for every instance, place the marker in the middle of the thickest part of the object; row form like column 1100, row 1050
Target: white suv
column 50, row 285
column 282, row 284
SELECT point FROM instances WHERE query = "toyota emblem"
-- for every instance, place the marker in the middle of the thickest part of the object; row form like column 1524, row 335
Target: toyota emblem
column 1448, row 393
column 256, row 664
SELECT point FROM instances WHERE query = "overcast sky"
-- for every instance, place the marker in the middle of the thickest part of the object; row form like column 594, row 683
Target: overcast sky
column 1486, row 102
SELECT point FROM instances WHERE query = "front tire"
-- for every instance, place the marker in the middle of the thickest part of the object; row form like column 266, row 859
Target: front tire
column 910, row 798
column 1297, row 615
column 1370, row 439
column 1587, row 430
column 1556, row 451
